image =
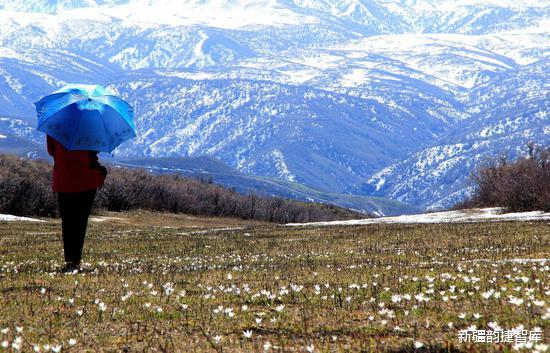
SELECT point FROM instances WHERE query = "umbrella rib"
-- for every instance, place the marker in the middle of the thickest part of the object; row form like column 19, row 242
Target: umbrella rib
column 122, row 113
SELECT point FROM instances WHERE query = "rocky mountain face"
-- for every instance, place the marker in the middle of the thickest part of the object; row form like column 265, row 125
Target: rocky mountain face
column 388, row 98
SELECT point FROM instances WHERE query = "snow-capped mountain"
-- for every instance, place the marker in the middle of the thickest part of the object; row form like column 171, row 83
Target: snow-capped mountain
column 507, row 114
column 393, row 98
column 361, row 16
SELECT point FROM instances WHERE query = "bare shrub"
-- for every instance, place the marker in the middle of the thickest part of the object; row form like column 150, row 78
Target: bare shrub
column 521, row 185
column 25, row 187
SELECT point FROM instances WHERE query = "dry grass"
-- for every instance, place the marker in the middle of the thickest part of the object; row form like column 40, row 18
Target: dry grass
column 161, row 282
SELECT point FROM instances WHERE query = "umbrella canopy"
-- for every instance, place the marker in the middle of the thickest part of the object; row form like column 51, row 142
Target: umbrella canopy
column 86, row 117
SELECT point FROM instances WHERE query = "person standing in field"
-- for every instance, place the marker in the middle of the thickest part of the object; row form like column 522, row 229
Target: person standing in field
column 77, row 175
column 80, row 120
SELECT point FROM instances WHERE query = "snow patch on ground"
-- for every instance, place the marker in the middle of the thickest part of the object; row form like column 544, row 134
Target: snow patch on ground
column 11, row 218
column 515, row 260
column 472, row 215
column 208, row 231
column 103, row 219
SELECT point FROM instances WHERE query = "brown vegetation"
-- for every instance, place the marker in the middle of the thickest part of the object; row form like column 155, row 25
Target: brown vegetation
column 25, row 187
column 522, row 185
column 200, row 288
column 25, row 190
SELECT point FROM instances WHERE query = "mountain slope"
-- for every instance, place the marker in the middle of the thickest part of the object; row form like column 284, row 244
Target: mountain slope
column 290, row 132
column 508, row 113
column 212, row 169
column 388, row 98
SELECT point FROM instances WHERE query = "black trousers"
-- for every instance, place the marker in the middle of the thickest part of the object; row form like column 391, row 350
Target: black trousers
column 74, row 209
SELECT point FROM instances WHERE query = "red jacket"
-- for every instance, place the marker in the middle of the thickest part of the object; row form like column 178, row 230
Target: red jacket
column 74, row 171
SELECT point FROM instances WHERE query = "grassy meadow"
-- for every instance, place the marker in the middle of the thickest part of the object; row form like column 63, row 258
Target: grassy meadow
column 172, row 283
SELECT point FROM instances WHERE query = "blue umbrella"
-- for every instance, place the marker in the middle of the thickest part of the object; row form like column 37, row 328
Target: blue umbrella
column 86, row 117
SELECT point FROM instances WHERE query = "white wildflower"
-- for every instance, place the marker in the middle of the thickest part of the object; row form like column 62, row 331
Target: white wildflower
column 514, row 300
column 16, row 344
column 102, row 306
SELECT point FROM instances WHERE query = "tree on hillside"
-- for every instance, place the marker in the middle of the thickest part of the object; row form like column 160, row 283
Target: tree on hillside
column 521, row 185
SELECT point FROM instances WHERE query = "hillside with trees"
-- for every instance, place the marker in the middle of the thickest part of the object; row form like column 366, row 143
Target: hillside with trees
column 520, row 185
column 25, row 190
